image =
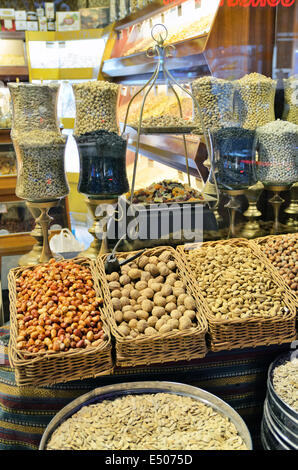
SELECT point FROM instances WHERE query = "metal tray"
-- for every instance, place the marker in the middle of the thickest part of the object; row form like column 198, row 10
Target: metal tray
column 111, row 392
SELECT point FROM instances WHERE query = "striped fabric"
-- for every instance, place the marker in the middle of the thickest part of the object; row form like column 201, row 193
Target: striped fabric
column 238, row 377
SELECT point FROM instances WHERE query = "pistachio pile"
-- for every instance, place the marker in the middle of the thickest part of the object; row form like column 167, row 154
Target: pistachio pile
column 282, row 252
column 215, row 98
column 254, row 98
column 291, row 99
column 149, row 298
column 277, row 144
column 96, row 105
column 235, row 283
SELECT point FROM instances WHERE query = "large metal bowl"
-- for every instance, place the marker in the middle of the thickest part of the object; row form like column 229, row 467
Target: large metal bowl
column 111, row 392
column 280, row 419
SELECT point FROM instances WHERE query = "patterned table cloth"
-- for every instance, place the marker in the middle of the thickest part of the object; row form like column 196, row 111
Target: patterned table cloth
column 238, row 377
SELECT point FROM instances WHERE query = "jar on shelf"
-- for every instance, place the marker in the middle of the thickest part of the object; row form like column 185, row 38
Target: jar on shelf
column 254, row 100
column 215, row 97
column 133, row 6
column 234, row 152
column 38, row 143
column 40, row 168
column 277, row 162
column 34, row 108
column 114, row 10
column 291, row 100
column 102, row 165
column 96, row 107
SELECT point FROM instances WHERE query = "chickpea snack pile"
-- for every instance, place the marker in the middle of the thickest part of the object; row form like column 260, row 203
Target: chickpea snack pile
column 57, row 308
column 96, row 107
column 149, row 298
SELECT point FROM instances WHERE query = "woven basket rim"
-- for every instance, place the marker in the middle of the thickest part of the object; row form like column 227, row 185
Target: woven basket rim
column 23, row 358
column 278, row 280
column 261, row 240
column 201, row 328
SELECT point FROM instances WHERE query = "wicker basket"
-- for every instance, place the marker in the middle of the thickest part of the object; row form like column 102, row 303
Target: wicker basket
column 160, row 348
column 246, row 332
column 50, row 368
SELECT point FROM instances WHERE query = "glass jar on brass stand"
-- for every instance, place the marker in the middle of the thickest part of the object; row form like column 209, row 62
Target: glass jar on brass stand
column 41, row 181
column 39, row 147
column 234, row 149
column 102, row 180
column 277, row 144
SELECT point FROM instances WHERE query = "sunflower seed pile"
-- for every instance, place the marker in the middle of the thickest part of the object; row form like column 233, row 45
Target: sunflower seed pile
column 159, row 421
column 285, row 383
column 277, row 144
column 96, row 105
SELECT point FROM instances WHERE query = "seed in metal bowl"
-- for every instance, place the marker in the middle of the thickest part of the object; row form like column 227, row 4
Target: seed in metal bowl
column 161, row 421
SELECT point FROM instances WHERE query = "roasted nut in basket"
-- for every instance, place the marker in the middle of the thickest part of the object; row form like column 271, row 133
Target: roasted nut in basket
column 57, row 308
column 282, row 252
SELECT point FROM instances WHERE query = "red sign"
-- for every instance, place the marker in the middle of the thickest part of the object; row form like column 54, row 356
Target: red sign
column 257, row 3
column 247, row 3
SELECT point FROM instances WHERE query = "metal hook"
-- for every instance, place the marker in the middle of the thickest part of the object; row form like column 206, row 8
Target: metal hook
column 161, row 40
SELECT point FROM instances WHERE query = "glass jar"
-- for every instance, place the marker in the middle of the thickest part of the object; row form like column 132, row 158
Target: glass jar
column 254, row 100
column 216, row 98
column 291, row 99
column 96, row 107
column 277, row 147
column 41, row 171
column 34, row 108
column 102, row 165
column 234, row 151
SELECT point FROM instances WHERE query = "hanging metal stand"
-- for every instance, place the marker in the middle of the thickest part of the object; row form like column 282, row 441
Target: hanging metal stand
column 163, row 52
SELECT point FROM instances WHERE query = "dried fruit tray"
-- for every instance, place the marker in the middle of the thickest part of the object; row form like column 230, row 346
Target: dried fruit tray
column 45, row 368
column 226, row 334
column 159, row 348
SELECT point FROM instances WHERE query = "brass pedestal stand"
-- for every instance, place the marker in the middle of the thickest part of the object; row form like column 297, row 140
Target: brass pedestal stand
column 41, row 251
column 276, row 201
column 292, row 210
column 252, row 228
column 97, row 247
column 233, row 205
